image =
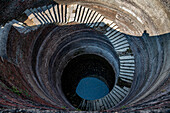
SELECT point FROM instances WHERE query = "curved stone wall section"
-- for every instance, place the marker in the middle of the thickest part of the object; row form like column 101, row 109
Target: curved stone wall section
column 80, row 14
column 54, row 34
column 133, row 17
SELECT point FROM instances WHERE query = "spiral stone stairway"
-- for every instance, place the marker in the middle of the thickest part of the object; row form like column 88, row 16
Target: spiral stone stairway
column 46, row 54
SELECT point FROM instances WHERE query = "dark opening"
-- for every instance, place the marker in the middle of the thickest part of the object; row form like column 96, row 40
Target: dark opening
column 87, row 65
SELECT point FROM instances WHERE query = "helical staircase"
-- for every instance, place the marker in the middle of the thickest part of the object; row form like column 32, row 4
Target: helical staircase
column 59, row 44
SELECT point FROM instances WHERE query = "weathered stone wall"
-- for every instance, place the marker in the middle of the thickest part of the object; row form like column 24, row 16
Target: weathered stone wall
column 19, row 87
column 133, row 16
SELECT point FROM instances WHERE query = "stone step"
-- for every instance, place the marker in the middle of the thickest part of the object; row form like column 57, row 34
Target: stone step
column 43, row 15
column 46, row 12
column 98, row 22
column 102, row 24
column 127, row 71
column 122, row 93
column 92, row 19
column 101, row 104
column 110, row 32
column 129, row 81
column 107, row 22
column 122, row 49
column 91, row 16
column 95, row 20
column 32, row 16
column 94, row 106
column 19, row 26
column 65, row 14
column 122, row 46
column 114, row 96
column 97, row 105
column 129, row 68
column 130, row 64
column 114, row 35
column 91, row 105
column 111, row 26
column 126, row 77
column 61, row 13
column 57, row 13
column 115, row 38
column 37, row 15
column 108, row 101
column 81, row 13
column 40, row 12
column 120, row 43
column 121, row 89
column 51, row 11
column 64, row 11
column 127, row 61
column 118, row 39
column 116, row 92
column 77, row 13
column 126, row 57
column 126, row 74
column 126, row 88
column 119, row 98
column 105, row 103
column 113, row 31
column 111, row 100
column 29, row 14
column 87, row 16
column 88, row 106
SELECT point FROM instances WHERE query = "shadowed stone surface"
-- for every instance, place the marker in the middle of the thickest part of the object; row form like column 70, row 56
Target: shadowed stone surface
column 132, row 36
